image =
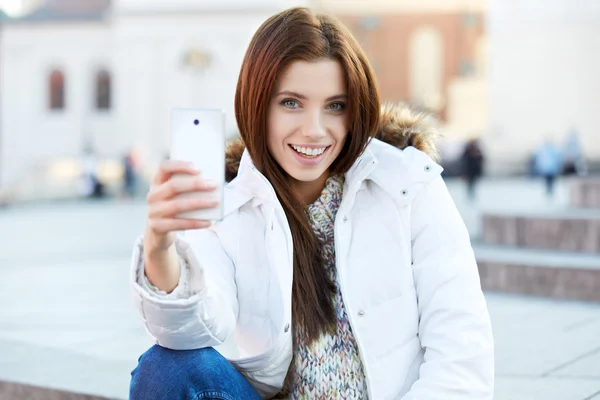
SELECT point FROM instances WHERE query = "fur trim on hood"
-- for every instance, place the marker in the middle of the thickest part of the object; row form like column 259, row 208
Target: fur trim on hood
column 400, row 126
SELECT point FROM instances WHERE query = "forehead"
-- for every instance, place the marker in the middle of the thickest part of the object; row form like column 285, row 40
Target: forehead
column 322, row 78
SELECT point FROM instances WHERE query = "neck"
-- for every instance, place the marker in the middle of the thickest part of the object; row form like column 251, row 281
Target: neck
column 309, row 192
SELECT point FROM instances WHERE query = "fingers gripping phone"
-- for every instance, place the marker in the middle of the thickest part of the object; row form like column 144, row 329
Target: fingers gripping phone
column 198, row 136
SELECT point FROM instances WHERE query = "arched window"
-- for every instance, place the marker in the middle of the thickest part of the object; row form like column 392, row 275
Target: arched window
column 103, row 90
column 426, row 67
column 56, row 87
column 481, row 57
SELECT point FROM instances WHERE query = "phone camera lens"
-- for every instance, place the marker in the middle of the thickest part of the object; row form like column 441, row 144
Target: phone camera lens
column 196, row 122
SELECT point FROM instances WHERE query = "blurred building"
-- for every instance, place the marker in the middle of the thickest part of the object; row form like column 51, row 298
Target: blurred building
column 18, row 7
column 105, row 75
column 544, row 77
column 431, row 53
column 509, row 71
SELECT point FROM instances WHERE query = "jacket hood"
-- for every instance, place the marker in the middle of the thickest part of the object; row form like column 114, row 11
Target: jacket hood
column 400, row 126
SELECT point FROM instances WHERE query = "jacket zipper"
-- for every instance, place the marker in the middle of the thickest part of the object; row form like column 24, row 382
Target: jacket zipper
column 288, row 232
column 349, row 313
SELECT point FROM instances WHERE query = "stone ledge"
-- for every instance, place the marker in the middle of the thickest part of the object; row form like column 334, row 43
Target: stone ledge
column 585, row 192
column 50, row 367
column 566, row 231
column 539, row 274
column 19, row 391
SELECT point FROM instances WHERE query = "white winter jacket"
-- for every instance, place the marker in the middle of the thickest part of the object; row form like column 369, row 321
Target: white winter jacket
column 406, row 269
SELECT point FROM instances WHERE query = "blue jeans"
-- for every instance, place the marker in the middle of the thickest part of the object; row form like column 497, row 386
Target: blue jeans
column 187, row 374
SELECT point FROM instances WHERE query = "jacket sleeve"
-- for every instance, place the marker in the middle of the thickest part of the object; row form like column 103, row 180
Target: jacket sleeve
column 181, row 291
column 202, row 311
column 454, row 324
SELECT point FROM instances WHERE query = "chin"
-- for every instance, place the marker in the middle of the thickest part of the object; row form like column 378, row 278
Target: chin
column 305, row 175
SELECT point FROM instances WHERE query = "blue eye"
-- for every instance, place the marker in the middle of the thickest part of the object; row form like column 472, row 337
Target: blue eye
column 337, row 106
column 289, row 103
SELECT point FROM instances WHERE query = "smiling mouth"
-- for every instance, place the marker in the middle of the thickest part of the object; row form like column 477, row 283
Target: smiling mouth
column 309, row 152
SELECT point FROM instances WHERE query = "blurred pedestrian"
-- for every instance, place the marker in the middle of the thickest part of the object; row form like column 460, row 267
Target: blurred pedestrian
column 472, row 163
column 573, row 157
column 548, row 164
column 92, row 186
column 129, row 175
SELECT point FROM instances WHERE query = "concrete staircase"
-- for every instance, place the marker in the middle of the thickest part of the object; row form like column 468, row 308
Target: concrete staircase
column 548, row 253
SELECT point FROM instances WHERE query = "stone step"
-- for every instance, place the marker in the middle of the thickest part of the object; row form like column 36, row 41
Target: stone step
column 20, row 391
column 576, row 230
column 43, row 371
column 585, row 192
column 545, row 273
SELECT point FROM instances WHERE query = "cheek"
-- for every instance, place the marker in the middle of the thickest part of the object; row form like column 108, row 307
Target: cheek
column 340, row 134
column 276, row 133
column 272, row 127
column 340, row 129
column 273, row 144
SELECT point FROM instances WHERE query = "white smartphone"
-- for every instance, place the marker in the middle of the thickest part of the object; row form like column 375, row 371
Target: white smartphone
column 198, row 136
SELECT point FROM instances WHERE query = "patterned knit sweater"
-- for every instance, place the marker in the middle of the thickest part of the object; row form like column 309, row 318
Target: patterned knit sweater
column 329, row 368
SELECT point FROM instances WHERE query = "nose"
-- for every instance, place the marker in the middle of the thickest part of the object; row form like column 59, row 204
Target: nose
column 314, row 127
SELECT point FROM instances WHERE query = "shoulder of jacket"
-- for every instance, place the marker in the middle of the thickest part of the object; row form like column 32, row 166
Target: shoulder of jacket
column 402, row 173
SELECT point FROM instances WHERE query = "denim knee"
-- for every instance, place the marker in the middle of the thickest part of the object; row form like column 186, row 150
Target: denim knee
column 187, row 374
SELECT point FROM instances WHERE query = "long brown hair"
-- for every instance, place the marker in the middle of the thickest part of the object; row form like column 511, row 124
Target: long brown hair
column 300, row 34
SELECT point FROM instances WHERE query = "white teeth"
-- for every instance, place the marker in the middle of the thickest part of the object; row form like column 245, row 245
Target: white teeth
column 308, row 151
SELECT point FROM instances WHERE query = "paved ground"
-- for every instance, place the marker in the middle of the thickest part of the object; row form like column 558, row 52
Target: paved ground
column 67, row 319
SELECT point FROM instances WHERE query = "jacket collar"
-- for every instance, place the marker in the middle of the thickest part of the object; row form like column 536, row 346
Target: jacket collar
column 402, row 173
column 249, row 185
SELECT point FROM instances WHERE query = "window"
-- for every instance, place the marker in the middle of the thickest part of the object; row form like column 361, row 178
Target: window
column 481, row 57
column 103, row 90
column 427, row 68
column 57, row 90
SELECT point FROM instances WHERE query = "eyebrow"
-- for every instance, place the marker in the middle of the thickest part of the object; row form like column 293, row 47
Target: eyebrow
column 303, row 97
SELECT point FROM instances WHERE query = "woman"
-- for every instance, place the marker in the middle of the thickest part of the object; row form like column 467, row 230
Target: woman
column 385, row 300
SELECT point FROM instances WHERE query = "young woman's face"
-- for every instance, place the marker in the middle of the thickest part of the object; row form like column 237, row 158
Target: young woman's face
column 308, row 121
